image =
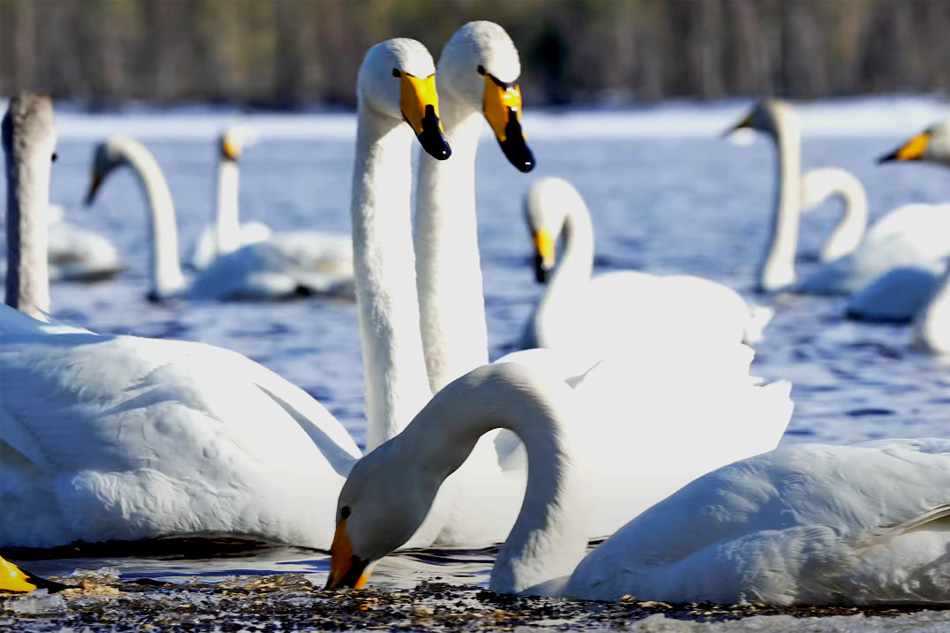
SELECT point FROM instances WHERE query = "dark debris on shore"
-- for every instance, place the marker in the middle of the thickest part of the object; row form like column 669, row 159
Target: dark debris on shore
column 290, row 602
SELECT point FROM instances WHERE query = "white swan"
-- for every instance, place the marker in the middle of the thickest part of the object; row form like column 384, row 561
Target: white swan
column 803, row 524
column 272, row 269
column 119, row 437
column 824, row 182
column 913, row 235
column 594, row 316
column 902, row 293
column 226, row 233
column 477, row 80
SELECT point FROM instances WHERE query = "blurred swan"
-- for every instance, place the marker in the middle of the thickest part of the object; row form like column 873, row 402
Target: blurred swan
column 802, row 524
column 820, row 184
column 477, row 79
column 597, row 315
column 908, row 293
column 273, row 269
column 227, row 233
column 127, row 438
column 913, row 235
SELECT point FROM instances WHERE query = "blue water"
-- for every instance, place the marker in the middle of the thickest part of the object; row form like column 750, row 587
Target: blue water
column 688, row 205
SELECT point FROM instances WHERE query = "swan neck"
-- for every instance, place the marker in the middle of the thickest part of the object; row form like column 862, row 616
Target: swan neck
column 777, row 269
column 394, row 375
column 27, row 280
column 931, row 330
column 167, row 279
column 448, row 266
column 227, row 227
column 571, row 275
column 849, row 232
column 549, row 536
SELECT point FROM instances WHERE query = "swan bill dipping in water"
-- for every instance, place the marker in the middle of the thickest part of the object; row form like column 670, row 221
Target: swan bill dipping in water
column 127, row 438
column 810, row 524
column 913, row 235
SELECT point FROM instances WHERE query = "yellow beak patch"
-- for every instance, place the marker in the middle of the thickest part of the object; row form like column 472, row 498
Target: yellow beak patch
column 544, row 244
column 230, row 149
column 500, row 104
column 14, row 580
column 342, row 559
column 414, row 96
column 914, row 148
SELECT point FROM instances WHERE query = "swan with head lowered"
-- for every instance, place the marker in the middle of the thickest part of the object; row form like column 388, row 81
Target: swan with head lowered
column 125, row 438
column 805, row 524
column 477, row 76
column 281, row 267
column 593, row 316
column 913, row 235
column 911, row 293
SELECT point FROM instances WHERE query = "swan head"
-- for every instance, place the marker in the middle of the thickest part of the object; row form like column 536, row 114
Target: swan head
column 767, row 116
column 378, row 511
column 397, row 81
column 546, row 206
column 932, row 145
column 106, row 157
column 233, row 140
column 29, row 132
column 480, row 66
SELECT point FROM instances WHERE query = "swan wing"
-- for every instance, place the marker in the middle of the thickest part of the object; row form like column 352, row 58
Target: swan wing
column 894, row 297
column 791, row 526
column 128, row 438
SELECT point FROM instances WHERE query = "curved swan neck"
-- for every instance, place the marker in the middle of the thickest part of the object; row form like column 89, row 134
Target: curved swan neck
column 384, row 266
column 572, row 273
column 777, row 269
column 448, row 266
column 931, row 330
column 819, row 184
column 27, row 281
column 549, row 537
column 167, row 279
column 227, row 229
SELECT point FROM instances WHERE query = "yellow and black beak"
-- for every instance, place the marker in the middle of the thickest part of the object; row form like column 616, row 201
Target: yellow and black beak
column 502, row 108
column 346, row 569
column 94, row 185
column 16, row 580
column 544, row 259
column 230, row 150
column 911, row 150
column 419, row 103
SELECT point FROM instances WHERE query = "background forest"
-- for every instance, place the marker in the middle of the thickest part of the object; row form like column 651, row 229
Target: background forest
column 290, row 53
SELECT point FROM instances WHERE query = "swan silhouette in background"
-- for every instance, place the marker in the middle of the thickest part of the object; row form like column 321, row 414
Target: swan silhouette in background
column 265, row 270
column 806, row 523
column 128, row 438
column 913, row 235
column 593, row 316
column 226, row 233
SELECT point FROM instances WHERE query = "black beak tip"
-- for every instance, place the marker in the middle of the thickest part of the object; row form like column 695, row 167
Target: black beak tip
column 887, row 158
column 541, row 272
column 431, row 137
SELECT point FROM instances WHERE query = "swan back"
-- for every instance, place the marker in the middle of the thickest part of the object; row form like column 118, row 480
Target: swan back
column 389, row 492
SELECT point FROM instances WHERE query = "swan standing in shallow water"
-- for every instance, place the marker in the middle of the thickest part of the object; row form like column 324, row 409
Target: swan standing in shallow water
column 261, row 271
column 226, row 233
column 913, row 235
column 913, row 293
column 802, row 524
column 127, row 438
column 596, row 315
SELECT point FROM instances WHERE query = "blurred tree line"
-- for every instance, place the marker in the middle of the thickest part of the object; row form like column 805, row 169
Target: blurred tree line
column 287, row 53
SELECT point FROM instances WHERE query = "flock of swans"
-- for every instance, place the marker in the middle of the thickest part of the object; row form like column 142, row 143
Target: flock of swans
column 630, row 414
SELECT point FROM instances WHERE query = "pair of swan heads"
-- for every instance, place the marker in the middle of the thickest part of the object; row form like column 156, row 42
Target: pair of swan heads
column 397, row 81
column 932, row 145
column 546, row 207
column 28, row 129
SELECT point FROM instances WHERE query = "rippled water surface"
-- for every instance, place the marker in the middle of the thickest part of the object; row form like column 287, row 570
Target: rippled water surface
column 688, row 204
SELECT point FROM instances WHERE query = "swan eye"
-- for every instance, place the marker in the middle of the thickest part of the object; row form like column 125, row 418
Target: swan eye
column 481, row 69
column 54, row 157
column 345, row 512
column 396, row 73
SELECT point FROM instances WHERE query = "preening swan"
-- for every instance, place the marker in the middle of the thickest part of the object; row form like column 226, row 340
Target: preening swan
column 226, row 233
column 802, row 524
column 477, row 79
column 261, row 271
column 119, row 437
column 29, row 145
column 579, row 314
column 913, row 235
